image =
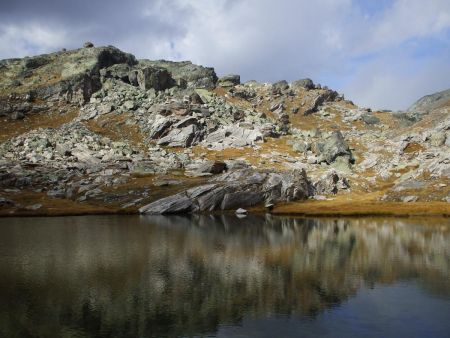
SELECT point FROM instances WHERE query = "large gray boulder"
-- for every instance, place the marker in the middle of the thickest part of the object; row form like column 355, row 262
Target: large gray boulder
column 330, row 183
column 186, row 72
column 240, row 199
column 181, row 137
column 205, row 168
column 179, row 203
column 233, row 136
column 118, row 71
column 156, row 78
column 236, row 189
column 183, row 202
column 280, row 86
column 303, row 83
column 332, row 147
column 320, row 99
column 229, row 81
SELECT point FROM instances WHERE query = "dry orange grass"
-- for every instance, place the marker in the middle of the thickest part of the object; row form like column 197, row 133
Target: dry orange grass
column 54, row 206
column 115, row 128
column 342, row 207
column 9, row 128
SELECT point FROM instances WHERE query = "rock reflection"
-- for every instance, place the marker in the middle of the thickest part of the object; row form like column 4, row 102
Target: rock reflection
column 159, row 276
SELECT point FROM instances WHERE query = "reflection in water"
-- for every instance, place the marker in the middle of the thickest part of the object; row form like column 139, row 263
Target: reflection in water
column 183, row 276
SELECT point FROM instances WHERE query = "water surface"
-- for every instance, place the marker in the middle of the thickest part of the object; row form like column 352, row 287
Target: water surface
column 131, row 276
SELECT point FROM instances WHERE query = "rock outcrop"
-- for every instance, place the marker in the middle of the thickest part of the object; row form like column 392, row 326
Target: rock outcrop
column 96, row 129
column 429, row 103
column 235, row 189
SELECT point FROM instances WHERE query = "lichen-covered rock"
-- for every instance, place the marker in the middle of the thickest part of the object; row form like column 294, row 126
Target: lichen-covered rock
column 332, row 147
column 229, row 81
column 330, row 183
column 320, row 99
column 193, row 75
column 156, row 78
column 303, row 83
column 181, row 137
column 72, row 75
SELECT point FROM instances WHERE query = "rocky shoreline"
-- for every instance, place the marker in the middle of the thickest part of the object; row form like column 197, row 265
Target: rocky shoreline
column 94, row 130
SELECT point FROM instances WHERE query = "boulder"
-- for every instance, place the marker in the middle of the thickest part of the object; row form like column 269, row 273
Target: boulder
column 320, row 99
column 211, row 200
column 160, row 127
column 303, row 83
column 332, row 147
column 206, row 168
column 330, row 183
column 156, row 78
column 438, row 139
column 229, row 81
column 241, row 211
column 294, row 185
column 191, row 75
column 241, row 199
column 183, row 137
column 179, row 203
column 118, row 71
column 237, row 189
column 233, row 136
column 280, row 85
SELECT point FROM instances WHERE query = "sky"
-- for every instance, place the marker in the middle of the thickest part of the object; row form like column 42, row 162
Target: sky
column 383, row 54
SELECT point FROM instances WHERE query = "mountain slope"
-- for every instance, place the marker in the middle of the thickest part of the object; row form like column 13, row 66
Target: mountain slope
column 95, row 130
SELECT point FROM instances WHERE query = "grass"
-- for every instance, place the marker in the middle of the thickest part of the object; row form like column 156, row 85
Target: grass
column 54, row 206
column 10, row 128
column 354, row 207
column 114, row 127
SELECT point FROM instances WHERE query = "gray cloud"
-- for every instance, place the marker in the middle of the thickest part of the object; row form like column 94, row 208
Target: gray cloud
column 343, row 43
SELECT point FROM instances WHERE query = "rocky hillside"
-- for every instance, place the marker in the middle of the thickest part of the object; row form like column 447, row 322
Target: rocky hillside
column 95, row 130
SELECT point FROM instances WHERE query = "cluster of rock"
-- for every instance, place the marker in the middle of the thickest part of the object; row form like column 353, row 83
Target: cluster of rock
column 174, row 106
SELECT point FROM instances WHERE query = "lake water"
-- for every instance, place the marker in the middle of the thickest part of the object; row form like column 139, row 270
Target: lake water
column 259, row 276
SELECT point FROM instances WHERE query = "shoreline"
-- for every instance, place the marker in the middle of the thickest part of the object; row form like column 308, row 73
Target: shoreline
column 364, row 209
column 302, row 209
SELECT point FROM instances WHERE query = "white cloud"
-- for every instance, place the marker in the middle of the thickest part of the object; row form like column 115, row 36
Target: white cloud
column 20, row 41
column 404, row 20
column 385, row 83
